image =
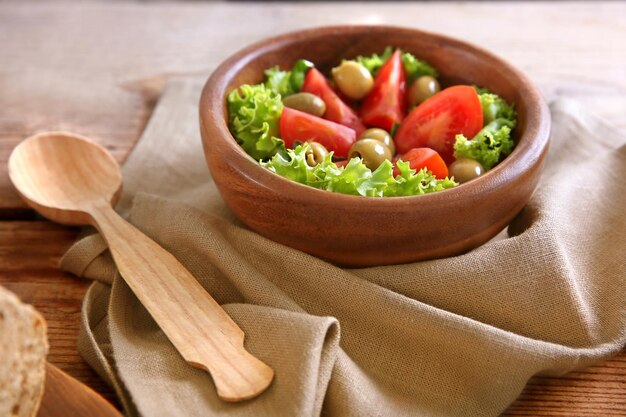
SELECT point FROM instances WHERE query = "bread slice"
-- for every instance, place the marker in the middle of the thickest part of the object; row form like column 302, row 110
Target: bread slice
column 23, row 349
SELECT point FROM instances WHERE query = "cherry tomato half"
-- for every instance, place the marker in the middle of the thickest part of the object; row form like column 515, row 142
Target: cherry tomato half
column 297, row 126
column 419, row 158
column 336, row 110
column 436, row 122
column 385, row 105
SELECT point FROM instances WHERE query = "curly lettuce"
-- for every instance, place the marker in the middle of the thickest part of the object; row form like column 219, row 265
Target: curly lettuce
column 355, row 178
column 279, row 81
column 413, row 67
column 287, row 83
column 494, row 141
column 416, row 68
column 410, row 182
column 491, row 144
column 374, row 62
column 494, row 107
column 254, row 115
column 292, row 164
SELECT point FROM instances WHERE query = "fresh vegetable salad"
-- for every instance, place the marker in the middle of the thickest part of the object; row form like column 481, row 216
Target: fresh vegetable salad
column 378, row 126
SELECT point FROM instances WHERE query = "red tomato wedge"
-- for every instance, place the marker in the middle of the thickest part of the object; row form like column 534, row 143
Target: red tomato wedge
column 385, row 105
column 419, row 158
column 297, row 126
column 336, row 110
column 436, row 122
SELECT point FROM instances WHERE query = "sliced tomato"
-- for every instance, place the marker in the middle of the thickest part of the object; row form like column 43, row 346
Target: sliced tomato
column 385, row 105
column 297, row 126
column 419, row 158
column 336, row 110
column 436, row 122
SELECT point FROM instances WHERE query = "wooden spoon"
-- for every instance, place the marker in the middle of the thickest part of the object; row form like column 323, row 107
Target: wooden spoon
column 72, row 180
column 64, row 396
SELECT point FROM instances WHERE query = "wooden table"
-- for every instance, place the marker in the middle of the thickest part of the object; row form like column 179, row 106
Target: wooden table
column 98, row 69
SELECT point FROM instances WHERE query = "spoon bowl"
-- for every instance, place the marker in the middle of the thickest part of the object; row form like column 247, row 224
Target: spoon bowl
column 62, row 174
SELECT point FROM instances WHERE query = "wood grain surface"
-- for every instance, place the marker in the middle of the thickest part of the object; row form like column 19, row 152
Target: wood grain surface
column 105, row 65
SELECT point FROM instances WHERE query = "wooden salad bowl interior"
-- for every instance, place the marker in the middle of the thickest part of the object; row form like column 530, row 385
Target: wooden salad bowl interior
column 359, row 231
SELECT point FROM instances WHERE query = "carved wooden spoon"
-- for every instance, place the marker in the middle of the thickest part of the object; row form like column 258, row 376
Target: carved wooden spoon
column 72, row 180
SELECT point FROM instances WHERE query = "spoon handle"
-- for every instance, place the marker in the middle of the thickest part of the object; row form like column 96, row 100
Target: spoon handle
column 194, row 322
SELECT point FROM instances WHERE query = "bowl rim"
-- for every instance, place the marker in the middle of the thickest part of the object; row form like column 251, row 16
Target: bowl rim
column 530, row 148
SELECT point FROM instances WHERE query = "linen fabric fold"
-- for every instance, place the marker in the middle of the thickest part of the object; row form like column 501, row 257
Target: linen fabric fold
column 459, row 336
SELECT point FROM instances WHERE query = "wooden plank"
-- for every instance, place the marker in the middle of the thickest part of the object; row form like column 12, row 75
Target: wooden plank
column 103, row 82
column 594, row 391
column 29, row 256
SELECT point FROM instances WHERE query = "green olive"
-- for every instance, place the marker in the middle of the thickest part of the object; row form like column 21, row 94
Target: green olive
column 372, row 152
column 381, row 136
column 315, row 154
column 353, row 79
column 464, row 170
column 422, row 88
column 306, row 102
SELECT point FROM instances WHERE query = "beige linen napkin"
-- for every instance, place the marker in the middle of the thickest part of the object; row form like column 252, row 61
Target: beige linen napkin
column 451, row 337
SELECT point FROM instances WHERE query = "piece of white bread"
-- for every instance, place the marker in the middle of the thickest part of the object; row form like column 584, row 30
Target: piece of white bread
column 23, row 349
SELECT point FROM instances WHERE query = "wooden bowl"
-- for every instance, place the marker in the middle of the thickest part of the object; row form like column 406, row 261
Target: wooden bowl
column 364, row 231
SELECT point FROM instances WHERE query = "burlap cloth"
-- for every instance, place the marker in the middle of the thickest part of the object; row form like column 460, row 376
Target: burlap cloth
column 451, row 337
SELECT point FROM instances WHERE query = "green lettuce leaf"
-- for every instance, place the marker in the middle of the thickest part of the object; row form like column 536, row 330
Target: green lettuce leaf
column 489, row 146
column 374, row 62
column 416, row 68
column 279, row 81
column 495, row 107
column 287, row 83
column 494, row 141
column 410, row 182
column 254, row 115
column 291, row 164
column 355, row 178
column 413, row 67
